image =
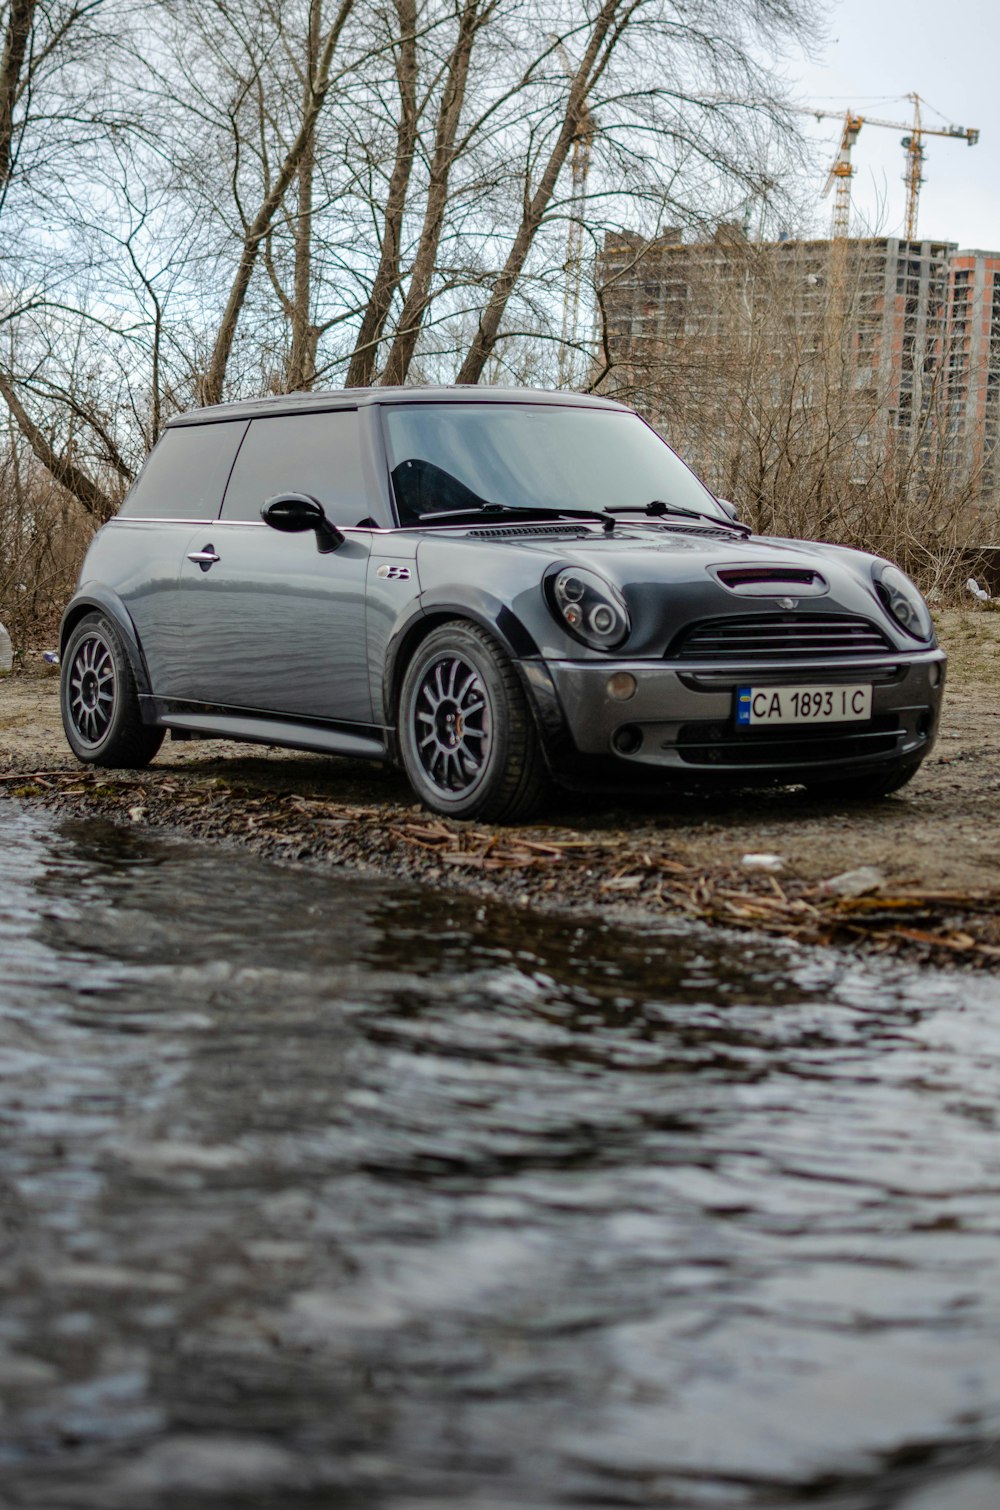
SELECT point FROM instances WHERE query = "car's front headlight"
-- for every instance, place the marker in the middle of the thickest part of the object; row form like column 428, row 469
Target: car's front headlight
column 591, row 609
column 903, row 603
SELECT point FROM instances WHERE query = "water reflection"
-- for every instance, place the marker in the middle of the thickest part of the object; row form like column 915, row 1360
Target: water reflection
column 321, row 1192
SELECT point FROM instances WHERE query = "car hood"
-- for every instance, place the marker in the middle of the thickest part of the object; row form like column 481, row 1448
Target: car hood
column 669, row 576
column 668, row 553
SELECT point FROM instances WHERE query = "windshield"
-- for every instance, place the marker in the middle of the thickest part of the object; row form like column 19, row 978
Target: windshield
column 446, row 457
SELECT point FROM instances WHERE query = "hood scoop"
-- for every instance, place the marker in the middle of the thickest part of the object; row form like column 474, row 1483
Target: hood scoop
column 754, row 581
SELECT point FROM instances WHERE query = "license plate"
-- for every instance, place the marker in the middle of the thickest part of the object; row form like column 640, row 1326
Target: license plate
column 802, row 705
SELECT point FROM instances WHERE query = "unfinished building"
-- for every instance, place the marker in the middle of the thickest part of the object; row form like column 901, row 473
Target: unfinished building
column 704, row 336
column 974, row 364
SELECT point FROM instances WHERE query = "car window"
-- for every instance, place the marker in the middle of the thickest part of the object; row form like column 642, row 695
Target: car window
column 185, row 473
column 453, row 456
column 318, row 454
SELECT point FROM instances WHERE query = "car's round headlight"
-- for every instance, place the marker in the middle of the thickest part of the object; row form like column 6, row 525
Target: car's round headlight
column 590, row 608
column 902, row 601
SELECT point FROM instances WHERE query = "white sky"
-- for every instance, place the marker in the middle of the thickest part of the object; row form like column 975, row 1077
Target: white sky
column 878, row 51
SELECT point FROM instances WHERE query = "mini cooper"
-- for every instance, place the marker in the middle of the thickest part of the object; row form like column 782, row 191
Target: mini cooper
column 498, row 589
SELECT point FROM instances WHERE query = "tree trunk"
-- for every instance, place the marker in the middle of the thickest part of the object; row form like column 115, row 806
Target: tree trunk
column 213, row 380
column 364, row 359
column 19, row 23
column 65, row 471
column 595, row 60
column 449, row 114
column 301, row 371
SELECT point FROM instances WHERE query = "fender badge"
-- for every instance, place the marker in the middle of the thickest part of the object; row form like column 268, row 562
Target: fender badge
column 394, row 573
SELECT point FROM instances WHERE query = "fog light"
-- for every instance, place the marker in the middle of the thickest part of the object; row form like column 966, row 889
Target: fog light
column 627, row 740
column 934, row 673
column 621, row 686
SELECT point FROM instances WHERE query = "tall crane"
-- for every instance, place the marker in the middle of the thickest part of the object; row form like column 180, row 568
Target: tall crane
column 842, row 169
column 586, row 128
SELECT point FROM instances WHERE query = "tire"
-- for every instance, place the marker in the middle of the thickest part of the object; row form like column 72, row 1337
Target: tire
column 466, row 733
column 864, row 788
column 99, row 699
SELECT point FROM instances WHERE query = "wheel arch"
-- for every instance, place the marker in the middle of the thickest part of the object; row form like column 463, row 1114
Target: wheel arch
column 486, row 612
column 482, row 757
column 95, row 599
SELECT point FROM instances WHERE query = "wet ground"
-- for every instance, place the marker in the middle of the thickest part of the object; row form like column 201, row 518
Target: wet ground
column 931, row 851
column 330, row 1192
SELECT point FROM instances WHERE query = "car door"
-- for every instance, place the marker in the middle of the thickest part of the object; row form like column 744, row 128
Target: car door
column 144, row 548
column 271, row 623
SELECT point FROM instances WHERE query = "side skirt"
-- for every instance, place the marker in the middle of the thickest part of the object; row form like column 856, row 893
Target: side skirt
column 195, row 721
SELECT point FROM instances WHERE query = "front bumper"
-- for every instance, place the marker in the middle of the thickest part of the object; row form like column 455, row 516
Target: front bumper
column 681, row 721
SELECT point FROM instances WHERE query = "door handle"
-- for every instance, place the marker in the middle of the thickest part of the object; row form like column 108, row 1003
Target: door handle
column 204, row 558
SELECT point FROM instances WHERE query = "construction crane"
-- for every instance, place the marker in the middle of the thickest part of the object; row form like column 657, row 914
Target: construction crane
column 579, row 170
column 842, row 169
column 585, row 129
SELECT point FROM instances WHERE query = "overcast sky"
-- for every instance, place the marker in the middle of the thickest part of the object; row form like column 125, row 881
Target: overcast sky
column 876, row 53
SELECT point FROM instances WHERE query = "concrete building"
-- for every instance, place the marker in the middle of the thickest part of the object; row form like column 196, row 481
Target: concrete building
column 974, row 363
column 908, row 332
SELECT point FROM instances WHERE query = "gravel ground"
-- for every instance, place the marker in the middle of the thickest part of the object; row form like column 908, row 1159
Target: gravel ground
column 934, row 845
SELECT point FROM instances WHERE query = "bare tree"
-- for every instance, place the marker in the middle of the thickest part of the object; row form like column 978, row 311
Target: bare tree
column 389, row 228
column 51, row 114
column 43, row 41
column 297, row 159
column 302, row 191
column 43, row 534
column 473, row 16
column 488, row 192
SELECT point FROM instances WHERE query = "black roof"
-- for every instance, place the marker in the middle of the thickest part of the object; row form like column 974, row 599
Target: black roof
column 356, row 398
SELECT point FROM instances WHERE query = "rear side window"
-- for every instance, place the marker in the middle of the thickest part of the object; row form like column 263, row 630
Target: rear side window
column 185, row 473
column 318, row 454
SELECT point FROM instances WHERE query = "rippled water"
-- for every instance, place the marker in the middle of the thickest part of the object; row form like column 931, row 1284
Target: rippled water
column 325, row 1192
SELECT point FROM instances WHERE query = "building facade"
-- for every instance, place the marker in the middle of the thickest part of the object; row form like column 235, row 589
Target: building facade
column 974, row 363
column 896, row 340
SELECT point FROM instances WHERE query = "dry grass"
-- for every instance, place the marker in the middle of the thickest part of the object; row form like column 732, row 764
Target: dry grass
column 971, row 636
column 44, row 534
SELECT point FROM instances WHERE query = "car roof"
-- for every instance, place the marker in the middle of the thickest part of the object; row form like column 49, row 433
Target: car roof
column 355, row 398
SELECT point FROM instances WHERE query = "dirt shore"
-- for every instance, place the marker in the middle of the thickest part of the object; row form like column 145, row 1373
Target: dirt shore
column 934, row 845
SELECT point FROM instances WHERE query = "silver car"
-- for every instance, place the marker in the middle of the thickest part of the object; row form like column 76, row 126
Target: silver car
column 499, row 589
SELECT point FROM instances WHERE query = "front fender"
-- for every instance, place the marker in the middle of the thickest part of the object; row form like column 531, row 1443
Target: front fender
column 437, row 607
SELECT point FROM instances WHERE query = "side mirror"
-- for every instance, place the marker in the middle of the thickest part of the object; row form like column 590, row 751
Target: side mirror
column 729, row 508
column 294, row 513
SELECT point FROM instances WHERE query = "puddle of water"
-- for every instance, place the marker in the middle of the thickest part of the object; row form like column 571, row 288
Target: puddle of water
column 322, row 1191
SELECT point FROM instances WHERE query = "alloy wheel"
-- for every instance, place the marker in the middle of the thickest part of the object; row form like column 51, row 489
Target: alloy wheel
column 92, row 688
column 451, row 724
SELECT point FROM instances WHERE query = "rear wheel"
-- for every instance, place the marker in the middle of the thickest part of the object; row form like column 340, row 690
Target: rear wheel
column 864, row 788
column 467, row 737
column 100, row 701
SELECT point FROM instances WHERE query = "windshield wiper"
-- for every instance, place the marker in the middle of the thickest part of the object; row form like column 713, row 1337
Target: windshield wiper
column 657, row 509
column 512, row 510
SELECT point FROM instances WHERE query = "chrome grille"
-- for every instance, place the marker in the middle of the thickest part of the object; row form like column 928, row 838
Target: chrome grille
column 780, row 637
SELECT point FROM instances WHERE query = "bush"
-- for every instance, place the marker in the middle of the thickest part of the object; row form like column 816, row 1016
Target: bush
column 44, row 534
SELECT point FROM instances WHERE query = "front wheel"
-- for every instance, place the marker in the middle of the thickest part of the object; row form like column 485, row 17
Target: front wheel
column 467, row 737
column 99, row 699
column 864, row 788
